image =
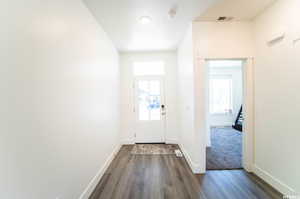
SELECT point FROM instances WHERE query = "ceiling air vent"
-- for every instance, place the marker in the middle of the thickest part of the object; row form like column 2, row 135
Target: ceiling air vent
column 223, row 18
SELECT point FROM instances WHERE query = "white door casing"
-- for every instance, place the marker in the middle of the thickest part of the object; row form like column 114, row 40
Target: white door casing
column 201, row 119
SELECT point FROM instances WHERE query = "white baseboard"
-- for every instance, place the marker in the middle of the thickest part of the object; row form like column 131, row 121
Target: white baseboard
column 92, row 185
column 171, row 141
column 127, row 141
column 274, row 182
column 131, row 141
column 222, row 125
column 196, row 168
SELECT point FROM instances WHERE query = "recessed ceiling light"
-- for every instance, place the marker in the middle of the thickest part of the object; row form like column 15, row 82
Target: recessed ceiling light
column 145, row 19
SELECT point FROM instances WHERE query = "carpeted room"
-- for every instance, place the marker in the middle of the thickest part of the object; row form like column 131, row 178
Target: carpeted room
column 224, row 147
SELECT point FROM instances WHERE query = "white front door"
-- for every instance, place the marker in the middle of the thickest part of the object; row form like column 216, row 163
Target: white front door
column 149, row 110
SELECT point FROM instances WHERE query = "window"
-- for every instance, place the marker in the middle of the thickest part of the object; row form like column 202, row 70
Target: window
column 220, row 94
column 149, row 100
column 148, row 68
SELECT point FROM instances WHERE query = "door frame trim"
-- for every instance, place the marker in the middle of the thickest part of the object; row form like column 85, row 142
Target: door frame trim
column 201, row 117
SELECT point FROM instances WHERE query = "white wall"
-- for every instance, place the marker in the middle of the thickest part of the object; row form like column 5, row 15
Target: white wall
column 277, row 109
column 204, row 40
column 188, row 139
column 223, row 40
column 59, row 93
column 127, row 93
column 237, row 95
column 276, row 83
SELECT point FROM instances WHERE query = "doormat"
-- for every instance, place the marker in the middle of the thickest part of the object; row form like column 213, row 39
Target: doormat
column 154, row 149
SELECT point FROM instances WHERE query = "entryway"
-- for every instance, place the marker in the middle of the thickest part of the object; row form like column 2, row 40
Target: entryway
column 225, row 139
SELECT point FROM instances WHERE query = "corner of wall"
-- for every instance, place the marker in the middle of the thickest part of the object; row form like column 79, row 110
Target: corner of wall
column 196, row 168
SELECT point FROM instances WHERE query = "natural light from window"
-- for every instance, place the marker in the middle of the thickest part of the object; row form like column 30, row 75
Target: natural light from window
column 149, row 100
column 220, row 95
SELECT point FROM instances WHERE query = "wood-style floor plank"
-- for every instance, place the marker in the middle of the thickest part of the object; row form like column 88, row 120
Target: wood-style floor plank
column 169, row 177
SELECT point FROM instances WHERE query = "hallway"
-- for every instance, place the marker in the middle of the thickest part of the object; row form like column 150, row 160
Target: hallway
column 99, row 99
column 169, row 177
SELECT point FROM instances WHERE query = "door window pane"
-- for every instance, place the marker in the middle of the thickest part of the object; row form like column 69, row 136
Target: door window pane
column 155, row 87
column 149, row 100
column 154, row 107
column 154, row 100
column 143, row 100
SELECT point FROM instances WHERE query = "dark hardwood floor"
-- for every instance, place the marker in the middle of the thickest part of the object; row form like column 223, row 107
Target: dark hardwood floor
column 169, row 177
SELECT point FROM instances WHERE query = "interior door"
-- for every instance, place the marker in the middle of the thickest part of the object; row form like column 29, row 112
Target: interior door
column 150, row 110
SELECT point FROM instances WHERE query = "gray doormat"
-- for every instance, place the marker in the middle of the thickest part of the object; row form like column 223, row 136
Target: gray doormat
column 154, row 149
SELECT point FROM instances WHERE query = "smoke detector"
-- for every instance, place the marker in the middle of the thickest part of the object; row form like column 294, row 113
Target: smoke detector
column 173, row 12
column 224, row 18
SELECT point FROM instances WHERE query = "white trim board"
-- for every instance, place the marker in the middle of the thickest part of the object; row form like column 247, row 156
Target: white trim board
column 171, row 141
column 196, row 168
column 127, row 141
column 131, row 141
column 93, row 183
column 227, row 124
column 274, row 182
column 248, row 109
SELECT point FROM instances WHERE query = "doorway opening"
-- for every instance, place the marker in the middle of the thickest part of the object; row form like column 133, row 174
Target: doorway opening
column 225, row 115
column 150, row 107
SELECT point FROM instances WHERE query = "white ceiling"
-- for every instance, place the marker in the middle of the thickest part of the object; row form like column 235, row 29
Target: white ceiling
column 119, row 20
column 239, row 9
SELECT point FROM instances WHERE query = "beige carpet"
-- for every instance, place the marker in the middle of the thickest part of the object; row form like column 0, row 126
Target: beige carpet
column 154, row 149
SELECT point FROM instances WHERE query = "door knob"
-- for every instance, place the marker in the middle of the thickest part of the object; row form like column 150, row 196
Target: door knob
column 163, row 112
